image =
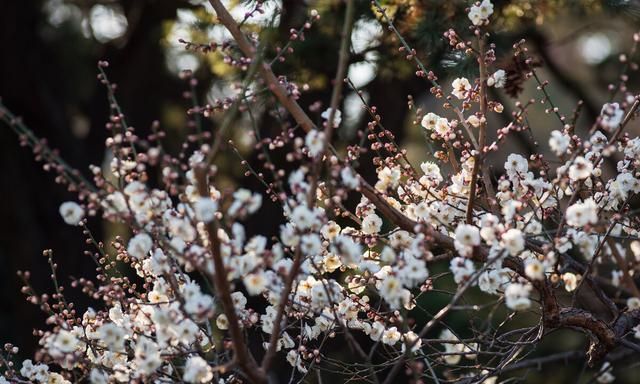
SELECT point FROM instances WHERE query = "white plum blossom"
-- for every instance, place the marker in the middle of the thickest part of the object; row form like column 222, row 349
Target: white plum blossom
column 443, row 128
column 388, row 178
column 516, row 166
column 65, row 342
column 604, row 375
column 337, row 117
column 493, row 280
column 559, row 143
column 466, row 237
column 376, row 331
column 534, row 269
column 412, row 340
column 462, row 269
column 311, row 244
column 598, row 141
column 197, row 370
column 147, row 356
column 431, row 172
column 371, row 224
column 461, row 87
column 633, row 303
column 112, row 336
column 347, row 249
column 513, row 241
column 140, row 246
column 611, row 116
column 349, row 178
column 498, row 79
column 302, row 217
column 392, row 291
column 222, row 322
column 474, row 121
column 478, row 14
column 582, row 213
column 330, row 230
column 580, row 169
column 517, row 296
column 315, row 142
column 205, row 209
column 255, row 283
column 244, row 200
column 429, row 121
column 391, row 336
column 72, row 213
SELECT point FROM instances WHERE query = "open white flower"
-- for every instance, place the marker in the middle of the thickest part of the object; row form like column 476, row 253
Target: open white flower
column 516, row 166
column 255, row 283
column 371, row 224
column 453, row 349
column 580, row 169
column 337, row 116
column 140, row 246
column 391, row 336
column 604, row 375
column 513, row 241
column 466, row 237
column 517, row 296
column 315, row 142
column 197, row 370
column 462, row 269
column 65, row 341
column 611, row 116
column 461, row 86
column 633, row 303
column 559, row 142
column 534, row 269
column 349, row 178
column 494, row 280
column 498, row 79
column 411, row 339
column 583, row 213
column 478, row 14
column 443, row 128
column 71, row 212
column 474, row 121
column 205, row 209
column 429, row 121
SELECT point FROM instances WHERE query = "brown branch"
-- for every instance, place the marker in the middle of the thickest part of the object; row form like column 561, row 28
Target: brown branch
column 265, row 69
column 624, row 267
column 343, row 61
column 603, row 338
column 336, row 93
column 242, row 356
column 277, row 324
column 482, row 138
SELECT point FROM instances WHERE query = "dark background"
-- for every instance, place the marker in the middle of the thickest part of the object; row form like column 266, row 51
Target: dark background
column 48, row 55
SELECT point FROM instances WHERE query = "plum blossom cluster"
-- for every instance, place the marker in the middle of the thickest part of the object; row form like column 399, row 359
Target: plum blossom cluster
column 353, row 261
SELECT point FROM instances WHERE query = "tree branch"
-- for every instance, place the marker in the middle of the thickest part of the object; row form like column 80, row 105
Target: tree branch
column 265, row 69
column 242, row 355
